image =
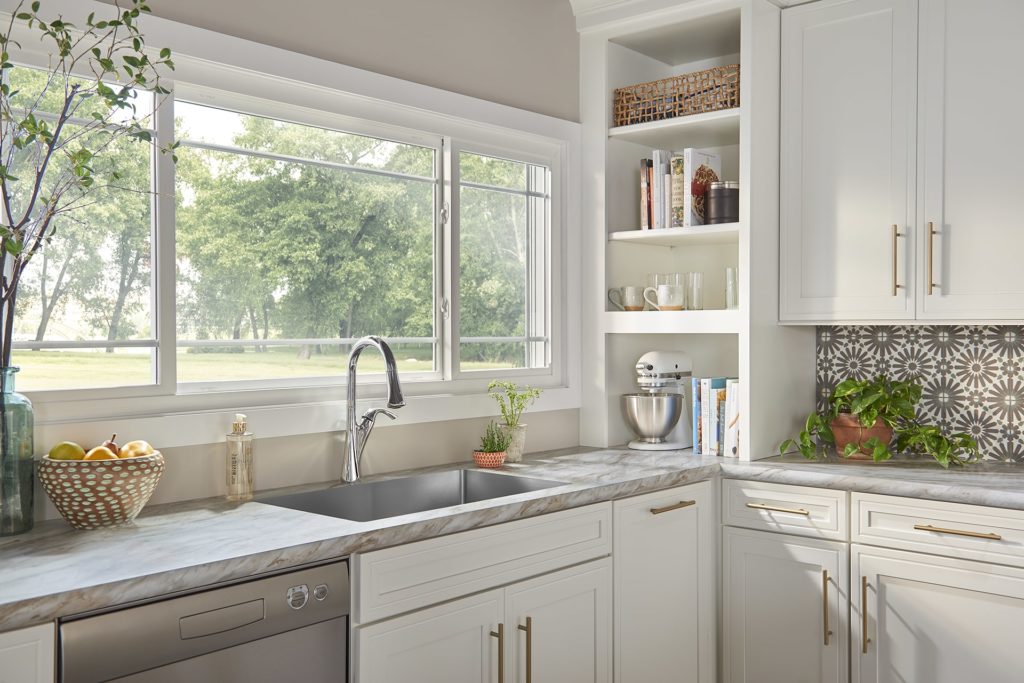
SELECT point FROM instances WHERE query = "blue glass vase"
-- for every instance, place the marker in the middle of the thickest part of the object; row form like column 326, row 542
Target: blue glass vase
column 17, row 469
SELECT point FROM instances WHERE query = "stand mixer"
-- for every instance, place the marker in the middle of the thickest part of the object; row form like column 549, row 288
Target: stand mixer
column 659, row 413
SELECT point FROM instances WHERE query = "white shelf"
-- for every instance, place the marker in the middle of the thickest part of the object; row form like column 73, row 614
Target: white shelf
column 697, row 130
column 723, row 233
column 672, row 322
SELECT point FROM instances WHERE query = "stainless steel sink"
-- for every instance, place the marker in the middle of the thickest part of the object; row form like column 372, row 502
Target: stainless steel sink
column 367, row 501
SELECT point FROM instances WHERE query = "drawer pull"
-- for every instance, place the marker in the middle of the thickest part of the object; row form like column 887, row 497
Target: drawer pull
column 673, row 506
column 775, row 508
column 958, row 532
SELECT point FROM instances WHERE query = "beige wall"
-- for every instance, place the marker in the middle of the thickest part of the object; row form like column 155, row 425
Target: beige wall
column 523, row 53
column 199, row 471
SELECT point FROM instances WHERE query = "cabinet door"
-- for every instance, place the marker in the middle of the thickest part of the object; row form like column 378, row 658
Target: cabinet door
column 559, row 626
column 785, row 607
column 665, row 586
column 849, row 78
column 935, row 619
column 450, row 643
column 972, row 144
column 27, row 655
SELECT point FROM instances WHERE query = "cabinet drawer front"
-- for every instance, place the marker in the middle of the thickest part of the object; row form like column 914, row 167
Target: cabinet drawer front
column 954, row 529
column 800, row 510
column 408, row 577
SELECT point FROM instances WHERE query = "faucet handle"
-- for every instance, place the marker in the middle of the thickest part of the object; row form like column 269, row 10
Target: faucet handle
column 370, row 417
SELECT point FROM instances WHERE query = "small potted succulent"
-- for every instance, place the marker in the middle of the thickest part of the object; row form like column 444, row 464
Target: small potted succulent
column 493, row 445
column 513, row 401
column 862, row 418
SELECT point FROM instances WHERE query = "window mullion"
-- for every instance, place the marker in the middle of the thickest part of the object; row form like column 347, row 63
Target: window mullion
column 163, row 270
column 451, row 261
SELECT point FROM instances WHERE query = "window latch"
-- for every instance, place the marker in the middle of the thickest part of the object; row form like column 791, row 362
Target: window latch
column 445, row 309
column 445, row 214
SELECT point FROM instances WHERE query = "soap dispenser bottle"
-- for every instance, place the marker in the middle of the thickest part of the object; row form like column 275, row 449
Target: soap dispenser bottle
column 239, row 460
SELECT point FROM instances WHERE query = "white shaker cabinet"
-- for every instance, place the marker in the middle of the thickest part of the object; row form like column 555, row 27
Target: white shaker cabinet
column 450, row 643
column 935, row 619
column 785, row 607
column 849, row 77
column 559, row 626
column 665, row 586
column 555, row 628
column 971, row 147
column 27, row 655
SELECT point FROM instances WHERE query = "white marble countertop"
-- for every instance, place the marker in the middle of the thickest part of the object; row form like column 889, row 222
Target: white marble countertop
column 54, row 571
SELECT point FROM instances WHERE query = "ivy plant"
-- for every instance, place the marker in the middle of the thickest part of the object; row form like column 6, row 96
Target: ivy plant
column 894, row 403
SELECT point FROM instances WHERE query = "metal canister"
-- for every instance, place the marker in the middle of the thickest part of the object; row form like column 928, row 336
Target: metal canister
column 723, row 202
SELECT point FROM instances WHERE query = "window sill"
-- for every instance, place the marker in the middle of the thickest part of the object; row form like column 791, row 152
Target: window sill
column 167, row 429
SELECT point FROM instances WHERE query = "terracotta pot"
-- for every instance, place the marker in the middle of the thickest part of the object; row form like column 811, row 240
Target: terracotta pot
column 848, row 429
column 489, row 460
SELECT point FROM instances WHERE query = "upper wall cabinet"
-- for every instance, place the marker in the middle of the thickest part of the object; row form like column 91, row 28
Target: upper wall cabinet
column 971, row 149
column 849, row 75
column 900, row 161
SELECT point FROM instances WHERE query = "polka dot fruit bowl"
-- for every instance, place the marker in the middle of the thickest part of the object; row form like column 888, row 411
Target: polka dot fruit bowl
column 92, row 494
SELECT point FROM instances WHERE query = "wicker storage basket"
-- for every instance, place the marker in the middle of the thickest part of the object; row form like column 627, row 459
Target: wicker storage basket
column 693, row 93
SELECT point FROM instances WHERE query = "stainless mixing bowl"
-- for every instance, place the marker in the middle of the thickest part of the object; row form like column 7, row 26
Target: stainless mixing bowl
column 652, row 416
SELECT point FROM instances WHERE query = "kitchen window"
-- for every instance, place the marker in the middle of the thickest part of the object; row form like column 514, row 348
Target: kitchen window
column 280, row 236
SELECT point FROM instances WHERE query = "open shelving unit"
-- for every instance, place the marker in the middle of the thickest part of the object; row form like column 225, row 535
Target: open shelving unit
column 774, row 363
column 723, row 233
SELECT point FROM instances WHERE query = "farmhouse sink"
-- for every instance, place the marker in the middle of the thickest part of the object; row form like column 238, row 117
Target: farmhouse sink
column 365, row 502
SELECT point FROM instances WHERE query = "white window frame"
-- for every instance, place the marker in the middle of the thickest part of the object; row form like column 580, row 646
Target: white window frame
column 225, row 68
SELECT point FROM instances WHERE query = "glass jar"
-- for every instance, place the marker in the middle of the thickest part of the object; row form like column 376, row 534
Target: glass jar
column 17, row 468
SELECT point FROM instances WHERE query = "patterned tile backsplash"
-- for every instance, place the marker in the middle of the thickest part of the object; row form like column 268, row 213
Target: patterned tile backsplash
column 972, row 376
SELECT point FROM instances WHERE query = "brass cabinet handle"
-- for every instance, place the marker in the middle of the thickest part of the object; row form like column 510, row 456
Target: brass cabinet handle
column 896, row 234
column 864, row 615
column 673, row 506
column 931, row 257
column 529, row 648
column 500, row 635
column 824, row 603
column 775, row 508
column 958, row 532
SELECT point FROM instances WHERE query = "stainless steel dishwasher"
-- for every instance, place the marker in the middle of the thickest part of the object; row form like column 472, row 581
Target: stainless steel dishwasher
column 288, row 627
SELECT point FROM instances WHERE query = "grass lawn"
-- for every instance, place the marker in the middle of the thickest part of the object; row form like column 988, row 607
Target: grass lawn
column 80, row 369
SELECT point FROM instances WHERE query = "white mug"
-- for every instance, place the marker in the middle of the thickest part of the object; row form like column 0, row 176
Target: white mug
column 666, row 297
column 630, row 298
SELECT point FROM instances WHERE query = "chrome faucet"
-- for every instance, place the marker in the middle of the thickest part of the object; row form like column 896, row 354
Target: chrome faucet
column 359, row 432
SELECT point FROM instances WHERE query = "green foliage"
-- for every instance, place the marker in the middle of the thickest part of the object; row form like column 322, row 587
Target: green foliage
column 512, row 400
column 56, row 130
column 894, row 403
column 495, row 439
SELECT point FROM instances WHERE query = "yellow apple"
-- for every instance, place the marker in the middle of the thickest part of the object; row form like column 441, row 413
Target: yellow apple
column 134, row 449
column 67, row 450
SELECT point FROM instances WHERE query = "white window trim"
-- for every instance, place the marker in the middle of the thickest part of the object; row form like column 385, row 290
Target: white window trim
column 373, row 104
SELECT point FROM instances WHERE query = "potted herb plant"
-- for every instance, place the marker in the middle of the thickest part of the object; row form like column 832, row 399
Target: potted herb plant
column 862, row 418
column 493, row 446
column 513, row 401
column 53, row 139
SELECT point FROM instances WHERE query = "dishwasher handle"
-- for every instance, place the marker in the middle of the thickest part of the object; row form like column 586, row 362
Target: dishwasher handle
column 221, row 620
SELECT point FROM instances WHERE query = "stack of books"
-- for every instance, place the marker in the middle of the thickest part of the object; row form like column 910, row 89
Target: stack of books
column 672, row 187
column 715, row 412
